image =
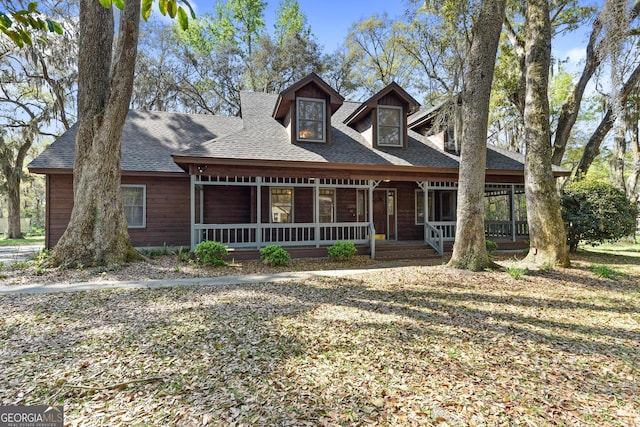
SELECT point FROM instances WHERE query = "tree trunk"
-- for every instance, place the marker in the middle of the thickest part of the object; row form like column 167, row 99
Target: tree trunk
column 469, row 249
column 632, row 181
column 546, row 228
column 12, row 171
column 619, row 152
column 97, row 233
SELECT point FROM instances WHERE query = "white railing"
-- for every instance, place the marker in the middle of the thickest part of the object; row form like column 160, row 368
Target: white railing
column 504, row 229
column 446, row 228
column 302, row 234
column 433, row 237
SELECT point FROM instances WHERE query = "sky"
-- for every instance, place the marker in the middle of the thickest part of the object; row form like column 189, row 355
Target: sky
column 330, row 21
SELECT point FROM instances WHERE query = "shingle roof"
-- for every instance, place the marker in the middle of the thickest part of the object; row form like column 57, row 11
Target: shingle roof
column 148, row 140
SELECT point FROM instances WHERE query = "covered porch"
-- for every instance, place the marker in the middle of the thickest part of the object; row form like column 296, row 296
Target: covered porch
column 250, row 212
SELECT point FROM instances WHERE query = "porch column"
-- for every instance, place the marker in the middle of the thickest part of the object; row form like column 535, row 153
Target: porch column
column 201, row 188
column 258, row 212
column 512, row 212
column 316, row 210
column 192, row 190
column 425, row 188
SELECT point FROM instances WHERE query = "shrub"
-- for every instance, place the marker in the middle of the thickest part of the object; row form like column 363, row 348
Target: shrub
column 341, row 251
column 596, row 212
column 491, row 246
column 211, row 253
column 183, row 254
column 517, row 272
column 275, row 255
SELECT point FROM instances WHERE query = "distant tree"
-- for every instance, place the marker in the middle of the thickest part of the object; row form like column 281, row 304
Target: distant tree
column 596, row 212
column 36, row 90
column 379, row 58
column 290, row 22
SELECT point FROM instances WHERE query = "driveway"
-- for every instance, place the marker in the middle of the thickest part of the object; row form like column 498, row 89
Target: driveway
column 11, row 254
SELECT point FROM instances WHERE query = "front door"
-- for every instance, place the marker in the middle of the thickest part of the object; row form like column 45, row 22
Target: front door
column 384, row 213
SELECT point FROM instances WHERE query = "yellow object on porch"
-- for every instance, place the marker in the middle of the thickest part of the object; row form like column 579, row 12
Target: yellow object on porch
column 381, row 237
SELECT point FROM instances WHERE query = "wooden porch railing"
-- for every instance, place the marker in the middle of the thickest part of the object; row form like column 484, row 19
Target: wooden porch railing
column 433, row 237
column 300, row 234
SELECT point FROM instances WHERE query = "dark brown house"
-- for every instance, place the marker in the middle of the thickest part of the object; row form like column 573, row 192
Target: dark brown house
column 302, row 169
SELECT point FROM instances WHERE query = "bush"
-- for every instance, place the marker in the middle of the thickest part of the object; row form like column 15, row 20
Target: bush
column 491, row 246
column 342, row 251
column 517, row 272
column 275, row 255
column 596, row 212
column 211, row 253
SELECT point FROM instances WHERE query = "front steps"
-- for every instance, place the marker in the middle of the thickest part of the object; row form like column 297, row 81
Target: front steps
column 404, row 250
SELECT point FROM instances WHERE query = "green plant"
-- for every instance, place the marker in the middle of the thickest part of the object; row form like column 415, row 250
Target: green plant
column 596, row 212
column 517, row 272
column 20, row 265
column 491, row 246
column 1, row 265
column 604, row 271
column 342, row 250
column 275, row 255
column 183, row 254
column 211, row 253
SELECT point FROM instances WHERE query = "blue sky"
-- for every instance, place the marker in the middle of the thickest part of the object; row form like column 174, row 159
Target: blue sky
column 330, row 20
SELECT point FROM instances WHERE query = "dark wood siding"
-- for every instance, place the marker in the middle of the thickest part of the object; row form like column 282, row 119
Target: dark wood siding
column 303, row 204
column 167, row 210
column 59, row 206
column 346, row 205
column 227, row 205
column 405, row 201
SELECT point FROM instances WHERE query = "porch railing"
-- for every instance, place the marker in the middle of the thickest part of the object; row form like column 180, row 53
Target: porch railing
column 300, row 234
column 504, row 229
column 433, row 237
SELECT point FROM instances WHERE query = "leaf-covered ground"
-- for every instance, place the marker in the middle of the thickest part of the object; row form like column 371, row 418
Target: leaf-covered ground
column 414, row 345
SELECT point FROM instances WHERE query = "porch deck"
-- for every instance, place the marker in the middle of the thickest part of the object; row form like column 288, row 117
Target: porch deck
column 385, row 250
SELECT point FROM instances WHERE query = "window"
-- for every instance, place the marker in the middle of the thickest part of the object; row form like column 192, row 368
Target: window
column 419, row 207
column 327, row 199
column 362, row 205
column 311, row 119
column 390, row 126
column 134, row 201
column 282, row 205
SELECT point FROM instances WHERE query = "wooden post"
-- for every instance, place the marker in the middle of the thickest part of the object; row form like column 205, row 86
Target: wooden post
column 258, row 212
column 512, row 212
column 316, row 210
column 192, row 190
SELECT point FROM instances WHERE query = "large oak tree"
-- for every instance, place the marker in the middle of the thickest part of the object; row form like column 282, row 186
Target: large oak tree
column 469, row 250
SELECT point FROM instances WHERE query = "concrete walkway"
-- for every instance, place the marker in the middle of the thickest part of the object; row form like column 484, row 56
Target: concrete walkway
column 11, row 254
column 40, row 288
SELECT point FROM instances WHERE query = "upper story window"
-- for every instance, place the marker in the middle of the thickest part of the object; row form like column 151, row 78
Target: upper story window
column 311, row 114
column 390, row 126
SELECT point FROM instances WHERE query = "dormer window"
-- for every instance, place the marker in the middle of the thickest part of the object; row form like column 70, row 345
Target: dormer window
column 390, row 126
column 311, row 114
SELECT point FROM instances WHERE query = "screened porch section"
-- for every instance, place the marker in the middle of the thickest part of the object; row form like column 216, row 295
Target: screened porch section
column 253, row 212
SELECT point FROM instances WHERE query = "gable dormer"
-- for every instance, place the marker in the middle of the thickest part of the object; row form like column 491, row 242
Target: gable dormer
column 382, row 119
column 305, row 109
column 437, row 124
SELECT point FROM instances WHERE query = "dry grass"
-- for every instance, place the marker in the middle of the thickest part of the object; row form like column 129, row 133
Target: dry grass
column 415, row 345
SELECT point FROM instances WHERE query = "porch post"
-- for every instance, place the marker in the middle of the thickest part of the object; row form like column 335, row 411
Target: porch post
column 316, row 210
column 192, row 191
column 258, row 212
column 425, row 188
column 201, row 188
column 512, row 212
column 372, row 238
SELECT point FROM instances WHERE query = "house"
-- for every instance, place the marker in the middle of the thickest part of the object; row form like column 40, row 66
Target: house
column 301, row 169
